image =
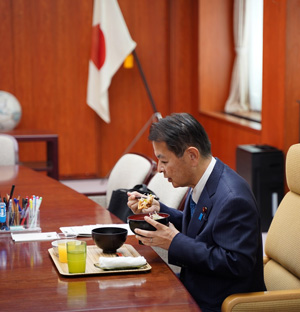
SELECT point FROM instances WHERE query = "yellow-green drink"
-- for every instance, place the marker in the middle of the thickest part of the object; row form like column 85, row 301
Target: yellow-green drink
column 76, row 254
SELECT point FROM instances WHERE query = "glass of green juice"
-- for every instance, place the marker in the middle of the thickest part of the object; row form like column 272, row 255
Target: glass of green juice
column 76, row 255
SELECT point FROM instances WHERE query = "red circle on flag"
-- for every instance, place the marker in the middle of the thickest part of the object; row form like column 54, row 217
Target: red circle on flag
column 98, row 46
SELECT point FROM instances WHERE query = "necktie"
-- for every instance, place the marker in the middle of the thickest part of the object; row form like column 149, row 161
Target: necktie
column 192, row 206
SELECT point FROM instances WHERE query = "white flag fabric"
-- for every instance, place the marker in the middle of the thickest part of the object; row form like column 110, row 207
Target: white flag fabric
column 111, row 44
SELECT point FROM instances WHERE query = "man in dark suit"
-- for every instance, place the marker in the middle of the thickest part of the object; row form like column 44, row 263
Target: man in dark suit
column 217, row 239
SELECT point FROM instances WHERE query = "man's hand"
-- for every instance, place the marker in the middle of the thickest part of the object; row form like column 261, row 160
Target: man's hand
column 132, row 203
column 162, row 237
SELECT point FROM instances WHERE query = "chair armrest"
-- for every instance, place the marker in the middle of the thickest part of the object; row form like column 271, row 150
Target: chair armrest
column 275, row 301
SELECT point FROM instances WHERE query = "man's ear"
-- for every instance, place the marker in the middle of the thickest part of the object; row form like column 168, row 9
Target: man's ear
column 193, row 153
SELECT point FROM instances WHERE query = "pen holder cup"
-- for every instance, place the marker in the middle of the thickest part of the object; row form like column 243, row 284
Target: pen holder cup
column 33, row 220
column 15, row 221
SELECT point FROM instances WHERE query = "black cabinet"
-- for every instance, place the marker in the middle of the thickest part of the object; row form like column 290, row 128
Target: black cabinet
column 262, row 166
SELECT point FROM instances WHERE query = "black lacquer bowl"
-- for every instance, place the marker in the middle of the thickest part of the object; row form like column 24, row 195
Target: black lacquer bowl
column 109, row 239
column 137, row 221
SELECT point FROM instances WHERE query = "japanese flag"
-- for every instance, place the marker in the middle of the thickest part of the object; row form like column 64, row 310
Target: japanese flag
column 111, row 44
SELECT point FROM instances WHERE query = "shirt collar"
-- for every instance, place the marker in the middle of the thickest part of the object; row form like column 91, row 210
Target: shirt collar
column 197, row 190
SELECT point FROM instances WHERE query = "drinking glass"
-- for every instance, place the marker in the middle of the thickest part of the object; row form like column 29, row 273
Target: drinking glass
column 76, row 255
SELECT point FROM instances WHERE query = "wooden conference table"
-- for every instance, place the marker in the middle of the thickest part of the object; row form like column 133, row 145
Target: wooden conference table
column 30, row 281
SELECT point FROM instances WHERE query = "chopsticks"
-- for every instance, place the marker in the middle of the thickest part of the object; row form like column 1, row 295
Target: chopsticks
column 139, row 197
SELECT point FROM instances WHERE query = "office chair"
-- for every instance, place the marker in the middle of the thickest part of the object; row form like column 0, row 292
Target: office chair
column 282, row 249
column 167, row 194
column 9, row 151
column 131, row 169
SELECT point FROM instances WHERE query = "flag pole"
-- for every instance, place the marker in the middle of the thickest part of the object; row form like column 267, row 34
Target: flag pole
column 157, row 114
column 144, row 128
column 154, row 117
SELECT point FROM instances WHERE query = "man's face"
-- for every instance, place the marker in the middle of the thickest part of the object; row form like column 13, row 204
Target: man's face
column 178, row 171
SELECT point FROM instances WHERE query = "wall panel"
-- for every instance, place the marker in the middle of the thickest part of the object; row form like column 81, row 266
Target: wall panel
column 216, row 53
column 292, row 82
column 6, row 50
column 274, row 72
column 45, row 48
column 183, row 55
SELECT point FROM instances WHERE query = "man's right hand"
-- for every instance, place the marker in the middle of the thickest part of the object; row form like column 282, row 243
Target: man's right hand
column 132, row 203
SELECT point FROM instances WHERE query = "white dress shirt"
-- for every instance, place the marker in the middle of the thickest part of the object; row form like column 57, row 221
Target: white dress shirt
column 197, row 190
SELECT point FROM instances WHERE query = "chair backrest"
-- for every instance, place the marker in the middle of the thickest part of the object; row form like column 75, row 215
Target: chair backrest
column 9, row 152
column 168, row 195
column 282, row 246
column 131, row 169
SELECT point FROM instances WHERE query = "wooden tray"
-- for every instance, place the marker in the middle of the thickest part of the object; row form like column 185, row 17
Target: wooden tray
column 93, row 254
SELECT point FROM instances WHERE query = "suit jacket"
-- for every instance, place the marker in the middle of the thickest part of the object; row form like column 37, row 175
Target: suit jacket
column 220, row 248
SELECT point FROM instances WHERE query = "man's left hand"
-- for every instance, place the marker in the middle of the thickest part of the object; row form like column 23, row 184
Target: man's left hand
column 162, row 237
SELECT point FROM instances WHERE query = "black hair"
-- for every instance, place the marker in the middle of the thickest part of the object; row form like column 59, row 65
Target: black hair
column 180, row 131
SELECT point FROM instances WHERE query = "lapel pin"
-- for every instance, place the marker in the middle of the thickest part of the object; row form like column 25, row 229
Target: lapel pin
column 204, row 210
